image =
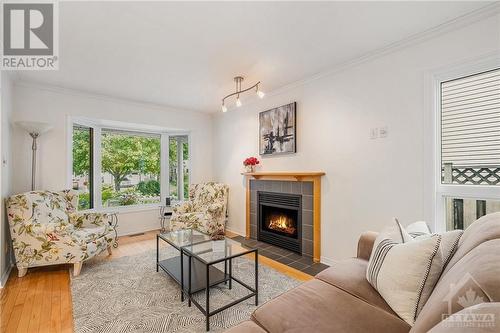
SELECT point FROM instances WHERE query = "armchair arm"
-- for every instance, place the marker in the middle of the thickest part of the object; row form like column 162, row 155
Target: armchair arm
column 216, row 220
column 183, row 207
column 85, row 219
column 365, row 244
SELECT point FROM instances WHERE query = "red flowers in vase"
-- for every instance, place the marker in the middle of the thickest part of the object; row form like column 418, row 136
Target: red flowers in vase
column 250, row 164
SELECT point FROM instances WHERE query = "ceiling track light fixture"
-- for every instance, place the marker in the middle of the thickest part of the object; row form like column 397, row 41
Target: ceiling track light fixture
column 238, row 80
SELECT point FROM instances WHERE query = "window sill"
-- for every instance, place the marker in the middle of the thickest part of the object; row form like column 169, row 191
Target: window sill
column 129, row 209
column 125, row 209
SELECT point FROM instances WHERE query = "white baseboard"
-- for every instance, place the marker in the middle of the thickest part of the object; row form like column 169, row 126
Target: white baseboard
column 5, row 277
column 138, row 231
column 238, row 232
column 327, row 261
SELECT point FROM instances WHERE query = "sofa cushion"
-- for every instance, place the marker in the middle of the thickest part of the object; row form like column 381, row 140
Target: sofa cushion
column 246, row 327
column 317, row 306
column 475, row 277
column 350, row 276
column 484, row 229
column 480, row 318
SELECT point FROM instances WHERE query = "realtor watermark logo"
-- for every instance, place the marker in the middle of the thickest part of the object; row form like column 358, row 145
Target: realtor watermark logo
column 465, row 294
column 30, row 36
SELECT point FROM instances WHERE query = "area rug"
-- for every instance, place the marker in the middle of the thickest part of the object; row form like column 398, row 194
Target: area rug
column 128, row 295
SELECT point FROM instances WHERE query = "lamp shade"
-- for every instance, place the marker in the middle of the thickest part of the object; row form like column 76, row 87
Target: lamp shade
column 34, row 126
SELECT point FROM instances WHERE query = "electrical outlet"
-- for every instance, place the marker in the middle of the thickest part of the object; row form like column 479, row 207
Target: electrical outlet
column 373, row 133
column 383, row 132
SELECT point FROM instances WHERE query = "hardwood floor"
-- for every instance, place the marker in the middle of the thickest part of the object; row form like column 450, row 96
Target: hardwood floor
column 41, row 300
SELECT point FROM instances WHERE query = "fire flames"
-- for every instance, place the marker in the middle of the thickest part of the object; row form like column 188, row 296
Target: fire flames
column 281, row 223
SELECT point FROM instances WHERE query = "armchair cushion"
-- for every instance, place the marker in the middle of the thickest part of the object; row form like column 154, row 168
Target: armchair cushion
column 90, row 234
column 189, row 220
column 205, row 210
column 88, row 219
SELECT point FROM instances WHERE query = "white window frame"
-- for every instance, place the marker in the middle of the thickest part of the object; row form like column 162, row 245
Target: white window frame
column 435, row 191
column 97, row 126
column 180, row 184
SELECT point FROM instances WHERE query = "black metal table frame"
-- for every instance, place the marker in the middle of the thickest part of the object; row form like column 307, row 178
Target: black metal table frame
column 229, row 278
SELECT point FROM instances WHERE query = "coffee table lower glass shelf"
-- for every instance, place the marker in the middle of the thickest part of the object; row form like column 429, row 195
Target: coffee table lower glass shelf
column 208, row 254
column 172, row 266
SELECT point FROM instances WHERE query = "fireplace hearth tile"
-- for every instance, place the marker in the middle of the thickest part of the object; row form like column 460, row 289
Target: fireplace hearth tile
column 302, row 263
column 306, row 260
column 269, row 254
column 294, row 256
column 286, row 187
column 284, row 260
column 280, row 251
column 315, row 269
column 298, row 265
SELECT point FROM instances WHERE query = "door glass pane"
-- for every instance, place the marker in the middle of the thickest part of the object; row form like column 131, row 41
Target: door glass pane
column 130, row 168
column 82, row 165
column 462, row 212
column 470, row 130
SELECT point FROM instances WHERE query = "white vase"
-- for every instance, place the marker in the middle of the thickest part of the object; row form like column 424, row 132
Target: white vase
column 249, row 168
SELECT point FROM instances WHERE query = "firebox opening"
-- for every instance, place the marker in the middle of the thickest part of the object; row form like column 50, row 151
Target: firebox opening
column 281, row 221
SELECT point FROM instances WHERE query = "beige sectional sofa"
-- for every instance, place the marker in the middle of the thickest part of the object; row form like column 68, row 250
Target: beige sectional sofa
column 340, row 299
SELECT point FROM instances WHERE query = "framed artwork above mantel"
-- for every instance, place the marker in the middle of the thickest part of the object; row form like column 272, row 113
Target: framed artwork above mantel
column 278, row 130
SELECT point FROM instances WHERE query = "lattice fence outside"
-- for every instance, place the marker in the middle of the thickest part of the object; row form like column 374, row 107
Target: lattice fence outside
column 472, row 175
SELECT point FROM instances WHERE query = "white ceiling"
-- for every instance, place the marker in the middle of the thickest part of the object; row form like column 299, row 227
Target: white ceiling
column 186, row 54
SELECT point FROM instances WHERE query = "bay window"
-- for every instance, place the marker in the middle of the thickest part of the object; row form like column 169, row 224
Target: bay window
column 116, row 167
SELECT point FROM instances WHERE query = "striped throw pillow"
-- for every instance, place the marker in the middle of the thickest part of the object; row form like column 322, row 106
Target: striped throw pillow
column 404, row 269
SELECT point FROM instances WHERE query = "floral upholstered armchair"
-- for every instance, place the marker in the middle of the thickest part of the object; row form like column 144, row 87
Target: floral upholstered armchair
column 205, row 210
column 47, row 229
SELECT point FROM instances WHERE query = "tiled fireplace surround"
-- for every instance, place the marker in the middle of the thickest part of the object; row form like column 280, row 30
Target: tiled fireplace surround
column 304, row 188
column 307, row 184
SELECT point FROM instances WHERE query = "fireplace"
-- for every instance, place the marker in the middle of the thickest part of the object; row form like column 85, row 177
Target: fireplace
column 280, row 219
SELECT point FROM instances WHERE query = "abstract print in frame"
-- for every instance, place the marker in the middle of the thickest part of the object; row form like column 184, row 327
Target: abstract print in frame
column 277, row 130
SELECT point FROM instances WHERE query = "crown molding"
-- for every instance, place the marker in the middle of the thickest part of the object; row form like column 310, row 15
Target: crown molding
column 103, row 97
column 415, row 39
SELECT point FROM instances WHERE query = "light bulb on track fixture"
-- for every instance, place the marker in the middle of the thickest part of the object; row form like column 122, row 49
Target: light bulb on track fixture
column 238, row 80
column 260, row 93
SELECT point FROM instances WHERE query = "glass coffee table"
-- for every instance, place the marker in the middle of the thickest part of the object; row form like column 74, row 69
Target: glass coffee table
column 194, row 268
column 177, row 269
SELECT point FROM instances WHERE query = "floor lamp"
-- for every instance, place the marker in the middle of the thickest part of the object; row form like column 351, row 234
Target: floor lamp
column 35, row 129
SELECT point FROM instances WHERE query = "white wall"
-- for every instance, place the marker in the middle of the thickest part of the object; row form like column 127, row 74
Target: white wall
column 5, row 179
column 367, row 181
column 55, row 105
